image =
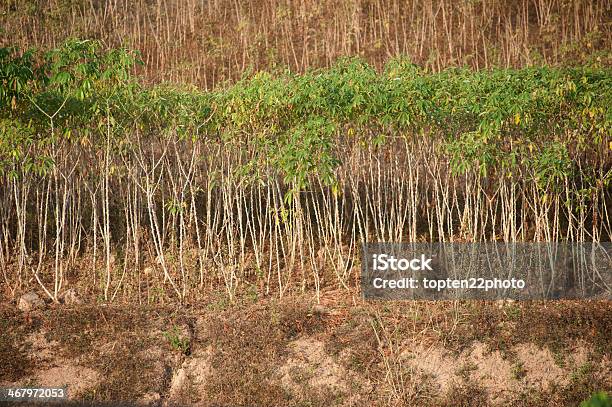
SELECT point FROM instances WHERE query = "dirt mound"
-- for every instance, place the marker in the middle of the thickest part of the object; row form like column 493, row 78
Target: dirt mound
column 540, row 368
column 500, row 376
column 310, row 366
column 76, row 378
column 432, row 361
column 492, row 372
column 310, row 371
column 192, row 375
column 55, row 370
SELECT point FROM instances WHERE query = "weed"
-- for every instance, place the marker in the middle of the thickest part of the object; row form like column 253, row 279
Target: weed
column 599, row 399
column 177, row 341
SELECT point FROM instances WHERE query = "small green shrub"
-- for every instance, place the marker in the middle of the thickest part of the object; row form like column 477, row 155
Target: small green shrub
column 599, row 399
column 177, row 341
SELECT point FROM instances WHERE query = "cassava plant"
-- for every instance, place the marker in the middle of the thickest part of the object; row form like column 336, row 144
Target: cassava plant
column 270, row 184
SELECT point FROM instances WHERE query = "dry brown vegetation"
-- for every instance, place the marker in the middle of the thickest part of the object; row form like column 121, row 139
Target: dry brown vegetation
column 297, row 353
column 206, row 42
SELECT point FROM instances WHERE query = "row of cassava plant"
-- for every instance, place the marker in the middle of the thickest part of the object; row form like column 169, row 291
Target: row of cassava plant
column 207, row 42
column 270, row 185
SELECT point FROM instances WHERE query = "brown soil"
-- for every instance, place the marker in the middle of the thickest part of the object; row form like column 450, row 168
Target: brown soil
column 295, row 352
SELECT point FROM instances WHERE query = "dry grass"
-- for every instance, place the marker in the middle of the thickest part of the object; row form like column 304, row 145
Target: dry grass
column 291, row 352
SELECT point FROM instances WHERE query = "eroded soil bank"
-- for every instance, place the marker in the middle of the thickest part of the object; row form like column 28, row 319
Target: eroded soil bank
column 296, row 352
